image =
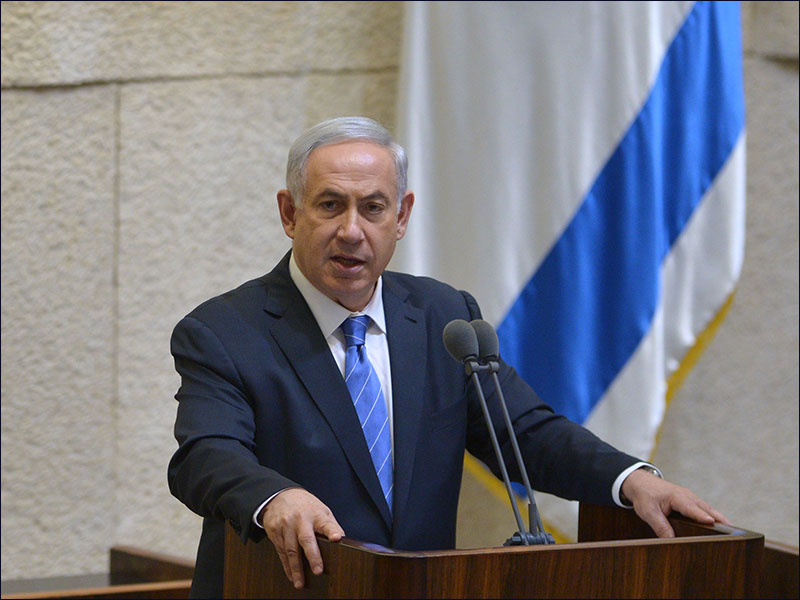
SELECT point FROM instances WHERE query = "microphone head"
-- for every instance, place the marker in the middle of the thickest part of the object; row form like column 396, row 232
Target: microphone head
column 460, row 340
column 488, row 344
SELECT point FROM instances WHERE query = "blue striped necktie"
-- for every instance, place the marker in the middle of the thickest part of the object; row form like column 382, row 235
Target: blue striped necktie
column 365, row 390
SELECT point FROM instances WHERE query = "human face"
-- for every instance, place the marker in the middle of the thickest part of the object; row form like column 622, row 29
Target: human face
column 345, row 229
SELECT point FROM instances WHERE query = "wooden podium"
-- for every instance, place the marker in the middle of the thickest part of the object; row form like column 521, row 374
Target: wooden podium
column 616, row 557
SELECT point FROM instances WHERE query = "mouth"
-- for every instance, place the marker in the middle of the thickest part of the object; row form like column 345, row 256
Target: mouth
column 348, row 262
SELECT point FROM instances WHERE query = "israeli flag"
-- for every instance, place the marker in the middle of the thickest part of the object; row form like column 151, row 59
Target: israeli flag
column 579, row 167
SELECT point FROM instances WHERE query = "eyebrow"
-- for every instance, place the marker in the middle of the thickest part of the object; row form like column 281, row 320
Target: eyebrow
column 377, row 195
column 329, row 192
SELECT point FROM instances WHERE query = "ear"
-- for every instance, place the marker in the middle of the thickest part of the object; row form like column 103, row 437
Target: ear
column 406, row 204
column 288, row 212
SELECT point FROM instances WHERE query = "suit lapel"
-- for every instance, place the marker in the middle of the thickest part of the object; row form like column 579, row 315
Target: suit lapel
column 407, row 340
column 301, row 340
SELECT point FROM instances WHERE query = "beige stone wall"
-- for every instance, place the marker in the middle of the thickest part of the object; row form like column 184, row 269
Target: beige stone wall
column 142, row 145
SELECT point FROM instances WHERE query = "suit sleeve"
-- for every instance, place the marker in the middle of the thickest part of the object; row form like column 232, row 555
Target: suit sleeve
column 561, row 457
column 215, row 471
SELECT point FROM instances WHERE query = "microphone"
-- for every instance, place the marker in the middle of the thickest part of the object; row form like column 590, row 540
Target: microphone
column 488, row 344
column 461, row 341
column 489, row 354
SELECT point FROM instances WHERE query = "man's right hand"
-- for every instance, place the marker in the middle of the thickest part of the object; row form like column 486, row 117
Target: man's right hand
column 291, row 520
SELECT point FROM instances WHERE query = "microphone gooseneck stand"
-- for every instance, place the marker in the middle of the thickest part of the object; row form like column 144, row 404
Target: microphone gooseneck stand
column 465, row 342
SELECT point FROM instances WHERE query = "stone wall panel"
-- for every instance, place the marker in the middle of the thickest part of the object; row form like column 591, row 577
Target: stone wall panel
column 58, row 329
column 68, row 43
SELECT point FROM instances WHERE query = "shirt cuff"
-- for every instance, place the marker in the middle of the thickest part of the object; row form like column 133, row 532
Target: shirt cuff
column 616, row 489
column 262, row 505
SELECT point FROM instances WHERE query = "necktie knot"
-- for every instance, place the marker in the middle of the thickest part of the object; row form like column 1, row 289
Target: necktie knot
column 355, row 330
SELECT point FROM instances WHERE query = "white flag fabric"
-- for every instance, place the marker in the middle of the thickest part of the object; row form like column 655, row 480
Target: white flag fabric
column 579, row 167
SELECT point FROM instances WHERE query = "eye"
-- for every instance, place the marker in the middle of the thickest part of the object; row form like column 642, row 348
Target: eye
column 328, row 204
column 374, row 207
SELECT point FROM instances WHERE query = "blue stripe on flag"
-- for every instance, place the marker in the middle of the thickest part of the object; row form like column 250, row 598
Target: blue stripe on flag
column 585, row 310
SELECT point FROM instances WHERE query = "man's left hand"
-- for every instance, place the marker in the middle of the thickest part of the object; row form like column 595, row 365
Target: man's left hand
column 654, row 499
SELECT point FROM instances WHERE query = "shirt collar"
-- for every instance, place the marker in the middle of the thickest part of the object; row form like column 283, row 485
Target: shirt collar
column 329, row 314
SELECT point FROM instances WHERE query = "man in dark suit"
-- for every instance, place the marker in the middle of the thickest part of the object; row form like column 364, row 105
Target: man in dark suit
column 269, row 421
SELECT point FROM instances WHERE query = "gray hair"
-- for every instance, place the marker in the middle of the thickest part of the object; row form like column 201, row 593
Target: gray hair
column 337, row 130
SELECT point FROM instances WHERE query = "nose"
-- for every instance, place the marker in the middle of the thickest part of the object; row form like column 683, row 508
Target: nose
column 350, row 230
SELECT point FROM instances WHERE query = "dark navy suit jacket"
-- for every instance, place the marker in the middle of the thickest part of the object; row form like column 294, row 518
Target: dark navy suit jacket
column 263, row 406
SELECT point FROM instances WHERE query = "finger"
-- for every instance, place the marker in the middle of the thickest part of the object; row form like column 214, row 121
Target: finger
column 295, row 559
column 308, row 541
column 285, row 564
column 714, row 516
column 661, row 526
column 657, row 520
column 698, row 514
column 333, row 532
column 719, row 517
column 330, row 528
column 277, row 542
column 697, row 509
column 714, row 513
